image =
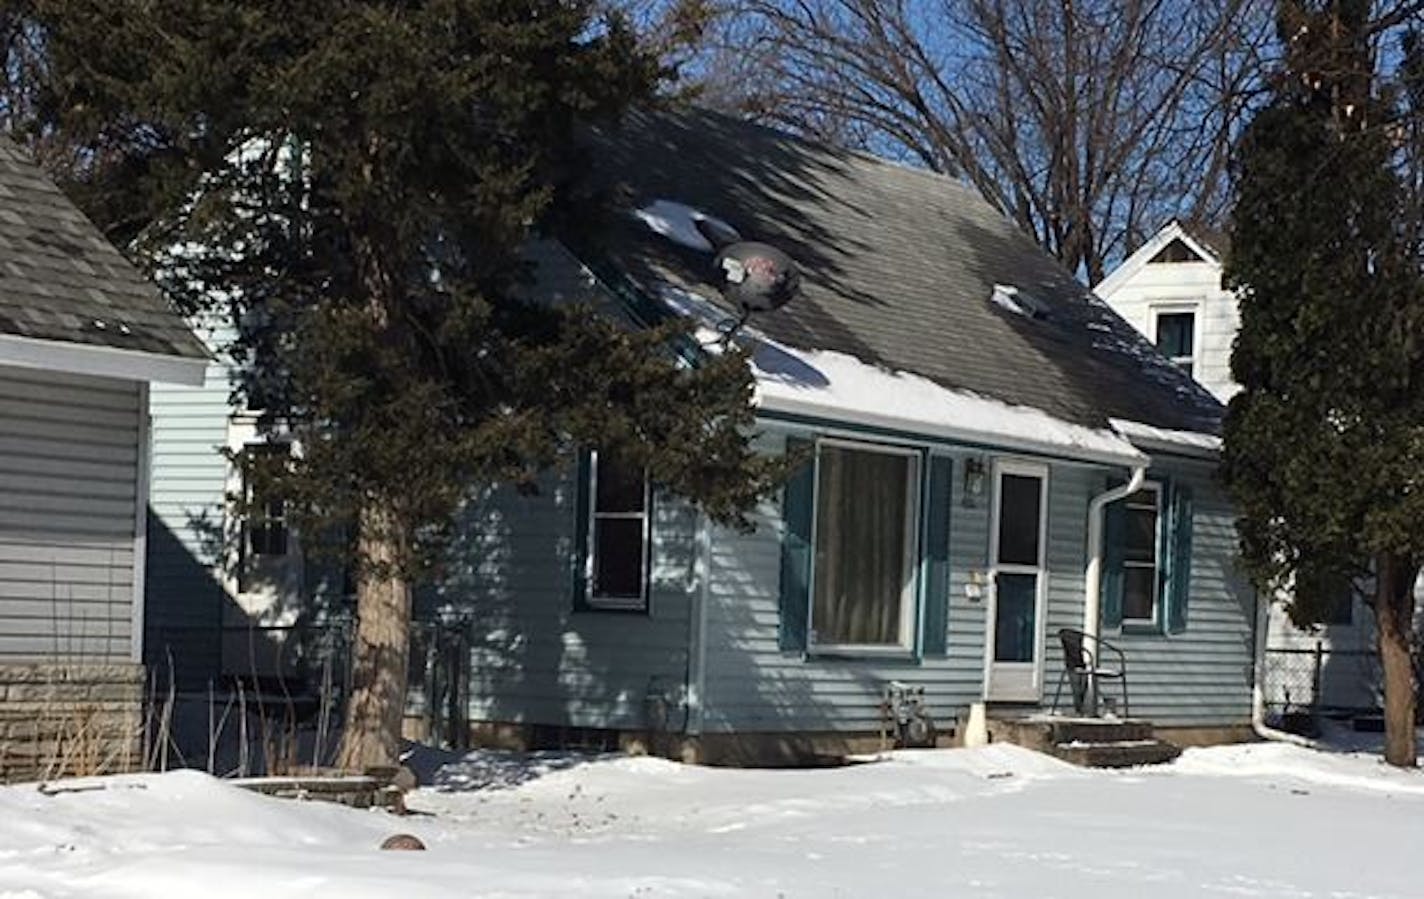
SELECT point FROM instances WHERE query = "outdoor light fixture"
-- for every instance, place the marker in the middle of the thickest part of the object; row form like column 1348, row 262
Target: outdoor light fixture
column 973, row 482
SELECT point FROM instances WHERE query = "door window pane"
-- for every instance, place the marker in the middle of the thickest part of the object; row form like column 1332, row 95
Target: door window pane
column 863, row 544
column 1019, row 498
column 1015, row 617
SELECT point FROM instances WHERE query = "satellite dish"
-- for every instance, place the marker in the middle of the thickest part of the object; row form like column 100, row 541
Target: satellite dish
column 757, row 277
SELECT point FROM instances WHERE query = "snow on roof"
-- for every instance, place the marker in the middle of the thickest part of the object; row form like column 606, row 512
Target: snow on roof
column 1149, row 437
column 838, row 386
column 678, row 223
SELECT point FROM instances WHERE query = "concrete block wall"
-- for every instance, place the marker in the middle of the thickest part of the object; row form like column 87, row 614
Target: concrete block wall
column 67, row 719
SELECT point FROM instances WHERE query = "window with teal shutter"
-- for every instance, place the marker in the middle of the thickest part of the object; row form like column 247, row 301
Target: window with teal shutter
column 1147, row 550
column 797, row 515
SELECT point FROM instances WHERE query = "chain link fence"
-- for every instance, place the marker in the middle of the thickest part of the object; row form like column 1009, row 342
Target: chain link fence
column 1304, row 684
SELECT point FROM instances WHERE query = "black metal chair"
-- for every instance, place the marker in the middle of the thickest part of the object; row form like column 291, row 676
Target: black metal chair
column 1082, row 667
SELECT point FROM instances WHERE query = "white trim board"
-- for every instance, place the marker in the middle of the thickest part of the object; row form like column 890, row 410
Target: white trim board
column 1173, row 230
column 100, row 361
column 142, row 479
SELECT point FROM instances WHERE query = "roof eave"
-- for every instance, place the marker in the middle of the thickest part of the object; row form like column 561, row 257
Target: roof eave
column 952, row 434
column 101, row 361
column 1150, row 439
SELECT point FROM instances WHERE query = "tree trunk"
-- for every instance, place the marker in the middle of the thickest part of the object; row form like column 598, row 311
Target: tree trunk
column 1394, row 617
column 371, row 733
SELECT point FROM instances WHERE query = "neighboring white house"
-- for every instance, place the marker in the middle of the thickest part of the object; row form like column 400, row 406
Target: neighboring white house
column 1171, row 290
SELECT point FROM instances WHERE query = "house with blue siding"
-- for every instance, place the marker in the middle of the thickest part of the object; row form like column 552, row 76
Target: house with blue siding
column 82, row 337
column 986, row 455
column 1171, row 289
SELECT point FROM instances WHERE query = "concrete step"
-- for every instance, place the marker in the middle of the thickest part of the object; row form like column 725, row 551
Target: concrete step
column 1095, row 730
column 1116, row 753
column 1043, row 732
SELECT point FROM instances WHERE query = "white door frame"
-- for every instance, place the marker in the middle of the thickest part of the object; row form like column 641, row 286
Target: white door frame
column 1017, row 681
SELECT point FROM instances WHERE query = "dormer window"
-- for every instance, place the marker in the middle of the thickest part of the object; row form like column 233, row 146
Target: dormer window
column 1176, row 338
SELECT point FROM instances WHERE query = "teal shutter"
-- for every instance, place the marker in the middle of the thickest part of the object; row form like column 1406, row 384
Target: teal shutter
column 582, row 483
column 797, row 513
column 936, row 595
column 1114, row 532
column 1179, row 583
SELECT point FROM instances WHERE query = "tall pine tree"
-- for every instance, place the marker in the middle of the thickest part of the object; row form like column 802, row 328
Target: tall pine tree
column 1324, row 446
column 355, row 182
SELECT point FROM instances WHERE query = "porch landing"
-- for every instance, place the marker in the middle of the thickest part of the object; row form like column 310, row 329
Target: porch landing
column 1090, row 742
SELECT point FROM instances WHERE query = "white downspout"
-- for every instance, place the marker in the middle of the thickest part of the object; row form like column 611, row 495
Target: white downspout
column 696, row 685
column 1093, row 577
column 1258, row 692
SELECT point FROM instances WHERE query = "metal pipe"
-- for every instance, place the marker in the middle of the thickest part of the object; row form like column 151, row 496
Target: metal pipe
column 1093, row 577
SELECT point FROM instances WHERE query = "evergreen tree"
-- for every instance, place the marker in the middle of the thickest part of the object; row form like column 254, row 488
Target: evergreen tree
column 1324, row 446
column 358, row 180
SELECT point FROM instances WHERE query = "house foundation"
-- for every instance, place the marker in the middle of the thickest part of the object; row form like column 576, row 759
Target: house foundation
column 60, row 719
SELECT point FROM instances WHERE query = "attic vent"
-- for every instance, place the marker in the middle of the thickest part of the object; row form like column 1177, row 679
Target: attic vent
column 686, row 225
column 1176, row 251
column 1011, row 299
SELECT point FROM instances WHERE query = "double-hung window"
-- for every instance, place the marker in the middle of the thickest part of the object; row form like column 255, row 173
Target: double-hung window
column 863, row 583
column 266, row 534
column 1176, row 338
column 619, row 532
column 1147, row 558
column 1141, row 567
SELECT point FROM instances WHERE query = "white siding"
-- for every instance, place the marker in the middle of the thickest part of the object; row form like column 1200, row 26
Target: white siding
column 185, row 597
column 69, row 475
column 1179, row 285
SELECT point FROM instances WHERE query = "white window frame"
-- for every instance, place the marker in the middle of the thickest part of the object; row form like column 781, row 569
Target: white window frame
column 909, row 616
column 243, row 432
column 1155, row 488
column 1179, row 307
column 610, row 603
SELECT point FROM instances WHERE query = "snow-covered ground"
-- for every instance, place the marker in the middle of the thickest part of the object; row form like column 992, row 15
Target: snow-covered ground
column 1257, row 820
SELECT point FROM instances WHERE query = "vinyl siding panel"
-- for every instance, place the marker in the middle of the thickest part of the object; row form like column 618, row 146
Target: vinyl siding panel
column 1203, row 675
column 754, row 686
column 538, row 661
column 69, row 474
column 186, row 598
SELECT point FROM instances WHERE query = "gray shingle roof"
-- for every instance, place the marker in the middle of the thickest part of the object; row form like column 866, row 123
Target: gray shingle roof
column 60, row 279
column 898, row 269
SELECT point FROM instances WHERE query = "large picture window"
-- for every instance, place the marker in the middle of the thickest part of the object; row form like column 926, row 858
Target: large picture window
column 863, row 577
column 618, row 534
